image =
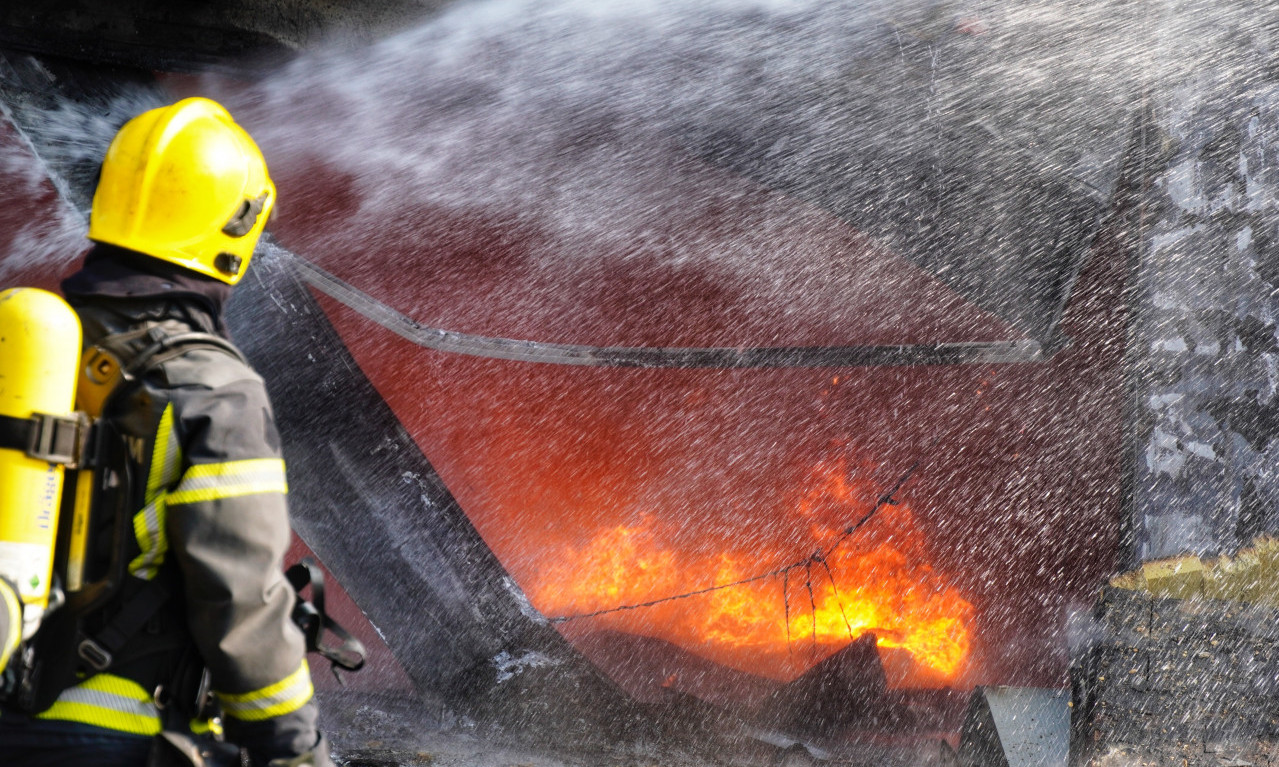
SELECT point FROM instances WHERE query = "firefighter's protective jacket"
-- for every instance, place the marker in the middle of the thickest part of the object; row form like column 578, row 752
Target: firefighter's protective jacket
column 211, row 514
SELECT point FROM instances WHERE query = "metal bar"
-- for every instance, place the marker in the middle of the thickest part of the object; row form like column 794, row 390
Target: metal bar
column 958, row 353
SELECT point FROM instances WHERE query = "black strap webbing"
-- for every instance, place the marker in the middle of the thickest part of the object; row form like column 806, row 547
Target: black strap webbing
column 311, row 617
column 15, row 433
column 98, row 651
column 56, row 439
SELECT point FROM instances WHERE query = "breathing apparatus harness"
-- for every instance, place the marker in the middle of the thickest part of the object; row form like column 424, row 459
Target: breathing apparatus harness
column 63, row 648
column 53, row 438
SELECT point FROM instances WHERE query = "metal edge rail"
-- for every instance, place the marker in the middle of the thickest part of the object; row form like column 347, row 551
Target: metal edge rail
column 956, row 353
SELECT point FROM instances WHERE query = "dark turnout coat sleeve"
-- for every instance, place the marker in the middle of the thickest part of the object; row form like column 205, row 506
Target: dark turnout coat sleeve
column 226, row 525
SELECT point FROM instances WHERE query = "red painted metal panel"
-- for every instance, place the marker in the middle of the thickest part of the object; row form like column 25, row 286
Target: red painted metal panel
column 41, row 237
column 1018, row 498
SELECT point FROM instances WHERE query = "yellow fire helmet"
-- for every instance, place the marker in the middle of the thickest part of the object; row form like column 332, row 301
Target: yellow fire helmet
column 187, row 185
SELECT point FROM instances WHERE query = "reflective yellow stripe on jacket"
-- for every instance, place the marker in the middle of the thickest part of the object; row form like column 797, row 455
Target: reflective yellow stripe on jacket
column 109, row 701
column 284, row 697
column 148, row 524
column 200, row 483
column 216, row 481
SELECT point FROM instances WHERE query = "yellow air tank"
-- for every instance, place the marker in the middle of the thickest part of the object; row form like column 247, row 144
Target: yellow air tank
column 39, row 357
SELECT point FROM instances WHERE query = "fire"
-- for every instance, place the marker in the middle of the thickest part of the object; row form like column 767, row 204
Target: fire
column 806, row 593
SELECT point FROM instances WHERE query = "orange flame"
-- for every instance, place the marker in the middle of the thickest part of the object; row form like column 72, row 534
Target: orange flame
column 876, row 580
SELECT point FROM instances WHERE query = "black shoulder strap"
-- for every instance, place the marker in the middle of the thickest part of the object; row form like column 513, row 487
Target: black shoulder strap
column 97, row 651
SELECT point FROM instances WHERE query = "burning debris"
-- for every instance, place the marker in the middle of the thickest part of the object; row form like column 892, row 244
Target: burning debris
column 841, row 710
column 650, row 669
column 878, row 580
column 841, row 691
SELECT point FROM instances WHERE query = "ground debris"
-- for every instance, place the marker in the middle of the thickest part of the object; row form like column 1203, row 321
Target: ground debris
column 383, row 757
column 1196, row 687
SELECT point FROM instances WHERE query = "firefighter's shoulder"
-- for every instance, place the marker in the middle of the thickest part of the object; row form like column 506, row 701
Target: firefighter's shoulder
column 208, row 367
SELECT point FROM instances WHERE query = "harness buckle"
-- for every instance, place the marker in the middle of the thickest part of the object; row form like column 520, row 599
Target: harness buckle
column 58, row 438
column 97, row 656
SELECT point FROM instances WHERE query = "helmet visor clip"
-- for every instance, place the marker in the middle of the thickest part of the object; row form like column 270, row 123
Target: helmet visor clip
column 245, row 217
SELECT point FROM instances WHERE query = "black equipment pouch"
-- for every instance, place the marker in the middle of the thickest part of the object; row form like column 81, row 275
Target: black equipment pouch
column 189, row 698
column 310, row 616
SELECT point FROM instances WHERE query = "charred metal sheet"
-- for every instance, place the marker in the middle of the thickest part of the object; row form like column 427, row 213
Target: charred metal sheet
column 844, row 689
column 985, row 145
column 1016, row 727
column 154, row 34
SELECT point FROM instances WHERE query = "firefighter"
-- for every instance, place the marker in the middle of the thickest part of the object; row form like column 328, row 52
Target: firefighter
column 182, row 199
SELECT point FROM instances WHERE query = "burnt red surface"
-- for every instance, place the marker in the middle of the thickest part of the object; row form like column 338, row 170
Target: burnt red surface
column 1019, row 494
column 41, row 237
